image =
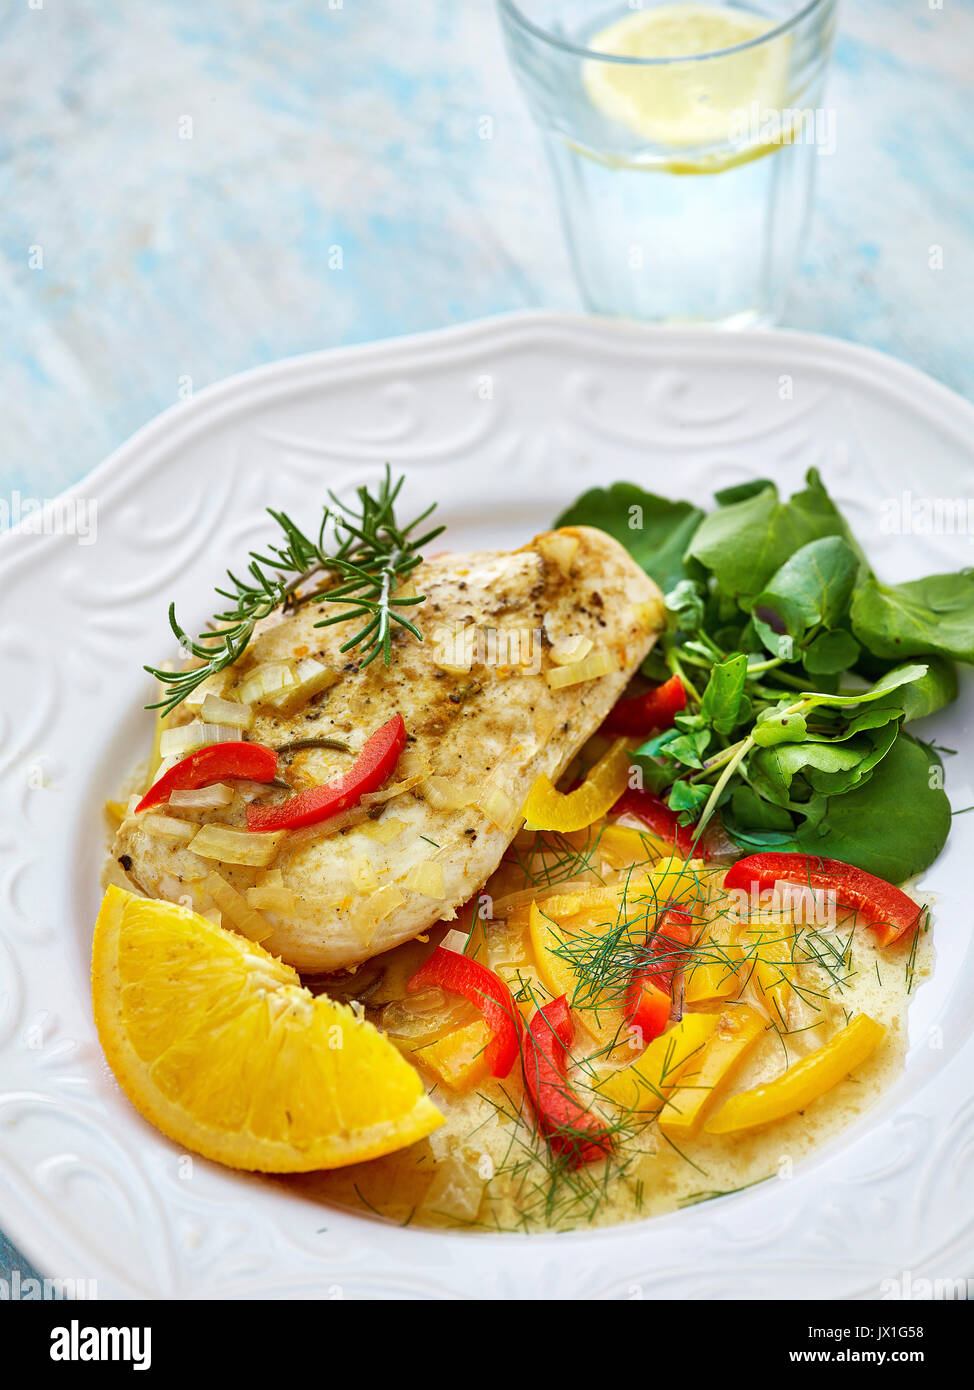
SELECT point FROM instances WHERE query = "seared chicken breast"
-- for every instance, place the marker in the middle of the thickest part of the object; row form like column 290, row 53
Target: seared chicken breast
column 486, row 712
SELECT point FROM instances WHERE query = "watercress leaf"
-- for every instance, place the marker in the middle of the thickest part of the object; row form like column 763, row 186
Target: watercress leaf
column 810, row 590
column 655, row 530
column 740, row 492
column 928, row 694
column 932, row 616
column 745, row 543
column 890, row 680
column 687, row 798
column 749, row 810
column 830, row 653
column 894, row 825
column 779, row 725
column 722, row 700
column 686, row 602
column 689, row 748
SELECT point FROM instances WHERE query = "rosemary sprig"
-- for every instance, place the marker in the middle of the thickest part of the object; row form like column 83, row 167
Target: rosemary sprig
column 370, row 559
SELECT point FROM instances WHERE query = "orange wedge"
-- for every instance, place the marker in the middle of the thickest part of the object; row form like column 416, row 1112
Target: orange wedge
column 217, row 1044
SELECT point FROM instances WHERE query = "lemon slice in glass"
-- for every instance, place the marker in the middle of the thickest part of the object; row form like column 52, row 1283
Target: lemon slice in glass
column 703, row 101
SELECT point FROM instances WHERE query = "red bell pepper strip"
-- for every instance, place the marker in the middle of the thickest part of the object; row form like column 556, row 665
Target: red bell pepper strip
column 571, row 1130
column 654, row 813
column 217, row 762
column 459, row 974
column 891, row 912
column 647, row 713
column 370, row 769
column 649, row 998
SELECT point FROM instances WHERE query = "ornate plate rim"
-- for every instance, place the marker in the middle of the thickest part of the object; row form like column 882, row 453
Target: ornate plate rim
column 929, row 400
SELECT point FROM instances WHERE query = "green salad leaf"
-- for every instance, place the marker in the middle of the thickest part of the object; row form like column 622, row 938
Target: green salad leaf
column 925, row 617
column 775, row 624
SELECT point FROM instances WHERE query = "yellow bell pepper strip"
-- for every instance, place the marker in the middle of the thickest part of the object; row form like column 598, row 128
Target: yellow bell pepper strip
column 713, row 973
column 459, row 1058
column 569, row 918
column 645, row 1084
column 769, row 966
column 802, row 1083
column 623, row 847
column 549, row 809
column 739, row 1030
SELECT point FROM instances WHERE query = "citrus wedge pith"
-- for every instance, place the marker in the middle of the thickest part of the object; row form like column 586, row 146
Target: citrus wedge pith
column 217, row 1044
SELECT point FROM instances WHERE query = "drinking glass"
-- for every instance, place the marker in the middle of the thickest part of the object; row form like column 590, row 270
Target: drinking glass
column 684, row 183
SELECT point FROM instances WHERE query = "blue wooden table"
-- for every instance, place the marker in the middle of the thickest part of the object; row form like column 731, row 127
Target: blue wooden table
column 190, row 190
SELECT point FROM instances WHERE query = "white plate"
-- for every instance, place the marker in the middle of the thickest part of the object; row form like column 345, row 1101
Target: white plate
column 504, row 422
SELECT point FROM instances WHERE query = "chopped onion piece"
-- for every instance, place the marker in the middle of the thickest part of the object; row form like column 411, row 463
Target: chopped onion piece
column 267, row 680
column 229, row 846
column 361, row 873
column 232, row 712
column 368, row 912
column 387, row 793
column 497, row 806
column 455, row 651
column 510, row 902
column 384, row 831
column 447, row 794
column 169, row 828
column 457, row 1190
column 597, row 663
column 311, row 677
column 203, row 799
column 175, row 743
column 426, row 879
column 267, row 897
column 215, row 684
column 235, row 908
column 559, row 548
column 570, row 649
column 455, row 941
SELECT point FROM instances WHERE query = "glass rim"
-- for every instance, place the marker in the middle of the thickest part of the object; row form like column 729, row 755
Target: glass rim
column 594, row 55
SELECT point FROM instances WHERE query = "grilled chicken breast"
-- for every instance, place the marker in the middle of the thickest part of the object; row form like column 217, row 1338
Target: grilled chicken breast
column 483, row 721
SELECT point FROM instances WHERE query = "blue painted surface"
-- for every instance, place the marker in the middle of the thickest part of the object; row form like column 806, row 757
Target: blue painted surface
column 318, row 125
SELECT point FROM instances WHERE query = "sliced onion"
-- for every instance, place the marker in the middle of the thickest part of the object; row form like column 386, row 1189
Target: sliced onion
column 229, row 846
column 204, row 798
column 266, row 681
column 567, row 650
column 215, row 684
column 265, row 897
column 396, row 789
column 590, row 668
column 369, row 912
column 455, row 941
column 361, row 873
column 169, row 828
column 427, row 879
column 231, row 712
column 235, row 908
column 384, row 831
column 176, row 743
column 556, row 546
column 310, row 677
column 498, row 807
column 447, row 793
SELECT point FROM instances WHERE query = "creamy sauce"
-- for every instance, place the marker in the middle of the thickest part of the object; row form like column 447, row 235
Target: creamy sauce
column 488, row 1144
column 487, row 1168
